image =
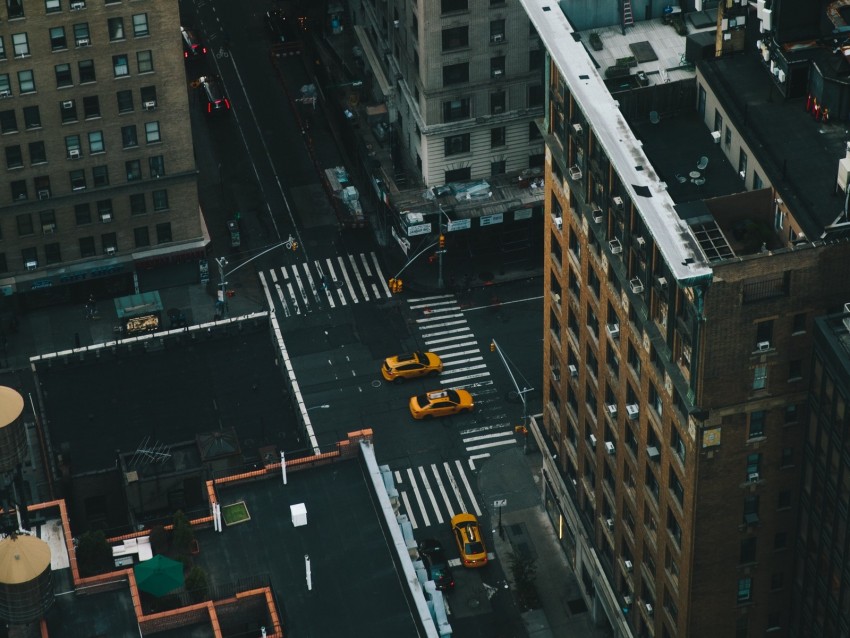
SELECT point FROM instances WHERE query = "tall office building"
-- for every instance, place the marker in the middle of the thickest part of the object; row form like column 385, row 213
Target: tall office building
column 462, row 81
column 693, row 234
column 100, row 178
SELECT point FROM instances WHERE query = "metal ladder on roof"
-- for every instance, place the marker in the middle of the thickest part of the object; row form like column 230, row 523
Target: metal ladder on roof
column 628, row 16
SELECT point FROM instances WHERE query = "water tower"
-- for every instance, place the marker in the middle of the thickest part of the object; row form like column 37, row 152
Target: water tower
column 26, row 582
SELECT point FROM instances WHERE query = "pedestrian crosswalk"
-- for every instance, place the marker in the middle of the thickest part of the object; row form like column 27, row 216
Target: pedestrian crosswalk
column 445, row 331
column 433, row 494
column 306, row 286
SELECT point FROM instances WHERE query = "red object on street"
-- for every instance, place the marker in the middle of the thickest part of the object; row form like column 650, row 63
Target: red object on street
column 231, row 294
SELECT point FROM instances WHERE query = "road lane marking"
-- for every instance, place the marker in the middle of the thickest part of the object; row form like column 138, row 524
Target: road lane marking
column 335, row 281
column 359, row 278
column 476, row 457
column 432, row 298
column 468, row 487
column 483, row 437
column 463, row 361
column 453, row 483
column 408, row 509
column 455, row 331
column 442, row 491
column 484, row 446
column 430, row 494
column 443, row 324
column 380, row 274
column 451, row 355
column 397, row 475
column 419, row 498
column 347, row 280
column 312, row 283
column 368, row 272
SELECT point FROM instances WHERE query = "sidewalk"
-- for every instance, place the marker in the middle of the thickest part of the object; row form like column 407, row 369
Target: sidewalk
column 514, row 475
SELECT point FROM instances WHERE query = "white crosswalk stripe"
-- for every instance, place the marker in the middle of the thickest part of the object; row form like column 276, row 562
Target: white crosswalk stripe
column 306, row 286
column 432, row 494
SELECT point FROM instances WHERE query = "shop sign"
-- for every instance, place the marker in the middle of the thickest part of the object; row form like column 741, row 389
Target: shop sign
column 522, row 213
column 41, row 284
column 419, row 229
column 402, row 241
column 489, row 220
column 458, row 224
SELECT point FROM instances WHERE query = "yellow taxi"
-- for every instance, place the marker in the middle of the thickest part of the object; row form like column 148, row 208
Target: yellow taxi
column 410, row 366
column 440, row 403
column 469, row 543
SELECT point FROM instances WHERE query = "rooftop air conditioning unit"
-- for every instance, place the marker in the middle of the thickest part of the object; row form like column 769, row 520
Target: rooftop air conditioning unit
column 68, row 104
column 628, row 565
column 83, row 42
column 44, row 194
column 150, row 105
column 74, row 153
column 609, row 447
column 618, row 202
column 5, row 93
column 573, row 371
column 597, row 215
column 32, row 265
column 110, row 250
column 76, row 6
column 616, row 246
column 592, row 438
column 763, row 346
column 612, row 409
column 559, row 222
column 636, row 285
column 614, row 330
column 575, row 173
column 715, row 135
column 752, row 477
column 632, row 410
column 578, row 129
column 652, row 452
column 610, row 523
column 649, row 609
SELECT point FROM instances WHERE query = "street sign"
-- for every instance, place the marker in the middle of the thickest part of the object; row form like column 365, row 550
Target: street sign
column 502, row 502
column 522, row 213
column 458, row 224
column 489, row 220
column 419, row 229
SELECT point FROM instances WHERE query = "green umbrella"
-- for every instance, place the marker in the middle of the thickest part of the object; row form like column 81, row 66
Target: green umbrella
column 159, row 576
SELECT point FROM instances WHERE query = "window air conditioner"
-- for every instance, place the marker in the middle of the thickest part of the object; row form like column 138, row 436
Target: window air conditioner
column 83, row 42
column 628, row 565
column 150, row 105
column 636, row 285
column 48, row 229
column 592, row 438
column 32, row 265
column 614, row 330
column 640, row 241
column 110, row 250
column 497, row 37
column 5, row 93
column 44, row 194
column 752, row 477
column 715, row 135
column 74, row 153
column 763, row 346
column 556, row 374
column 578, row 129
column 573, row 371
column 106, row 217
column 662, row 282
column 612, row 409
column 559, row 222
column 497, row 73
column 575, row 173
column 68, row 104
column 609, row 447
column 632, row 410
column 597, row 215
column 618, row 202
column 556, row 297
column 616, row 246
column 610, row 523
column 76, row 6
column 652, row 452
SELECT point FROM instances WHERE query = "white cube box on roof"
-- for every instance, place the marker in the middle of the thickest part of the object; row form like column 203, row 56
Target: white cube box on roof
column 299, row 514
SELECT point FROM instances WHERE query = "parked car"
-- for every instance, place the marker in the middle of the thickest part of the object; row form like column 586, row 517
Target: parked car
column 410, row 366
column 434, row 558
column 192, row 45
column 469, row 542
column 440, row 403
column 212, row 95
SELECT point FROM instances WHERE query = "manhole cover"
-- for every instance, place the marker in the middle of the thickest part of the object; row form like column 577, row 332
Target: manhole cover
column 376, row 384
column 577, row 606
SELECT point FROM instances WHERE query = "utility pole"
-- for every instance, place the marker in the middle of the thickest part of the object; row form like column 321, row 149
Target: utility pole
column 222, row 262
column 441, row 242
column 520, row 392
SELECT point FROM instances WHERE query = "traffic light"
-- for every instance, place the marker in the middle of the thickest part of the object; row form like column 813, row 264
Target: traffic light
column 395, row 285
column 442, row 241
column 398, row 285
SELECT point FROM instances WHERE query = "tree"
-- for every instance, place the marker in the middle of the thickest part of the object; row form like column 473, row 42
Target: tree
column 196, row 584
column 182, row 534
column 94, row 555
column 524, row 572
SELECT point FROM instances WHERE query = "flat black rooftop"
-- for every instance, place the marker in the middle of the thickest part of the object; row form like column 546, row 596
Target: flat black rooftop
column 356, row 587
column 223, row 379
column 799, row 154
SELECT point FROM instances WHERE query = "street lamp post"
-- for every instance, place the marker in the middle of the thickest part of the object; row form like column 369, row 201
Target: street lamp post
column 441, row 248
column 222, row 276
column 521, row 393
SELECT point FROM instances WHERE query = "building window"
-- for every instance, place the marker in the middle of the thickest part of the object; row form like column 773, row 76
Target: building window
column 753, row 466
column 15, row 9
column 455, row 110
column 156, row 164
column 14, row 157
column 497, row 66
column 87, row 247
column 783, row 500
column 100, row 175
column 450, row 6
column 2, row 49
column 742, row 164
column 535, row 59
column 26, row 81
column 82, row 214
column 78, row 179
column 455, row 74
column 57, row 39
column 497, row 30
column 37, row 153
column 798, row 323
column 8, row 121
column 456, row 144
column 780, row 540
column 52, row 6
column 145, row 61
column 141, row 236
column 163, row 233
column 109, row 242
column 4, row 267
column 96, row 142
column 718, row 121
column 30, row 258
column 32, row 117
column 787, row 458
column 134, row 170
column 20, row 45
column 120, row 65
column 760, row 377
column 757, row 420
column 125, row 101
column 791, row 412
column 137, row 204
column 52, row 254
column 748, row 550
column 148, row 94
column 535, row 95
column 795, row 369
column 86, row 69
column 63, row 75
column 498, row 102
column 457, row 175
column 455, row 38
column 728, row 137
column 116, row 28
column 5, row 85
column 677, row 443
column 751, row 510
column 25, row 226
column 160, row 200
column 128, row 136
column 745, row 589
column 498, row 167
column 152, row 132
column 104, row 210
column 140, row 25
column 757, row 181
column 68, row 111
column 498, row 137
column 81, row 34
column 72, row 146
column 19, row 190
